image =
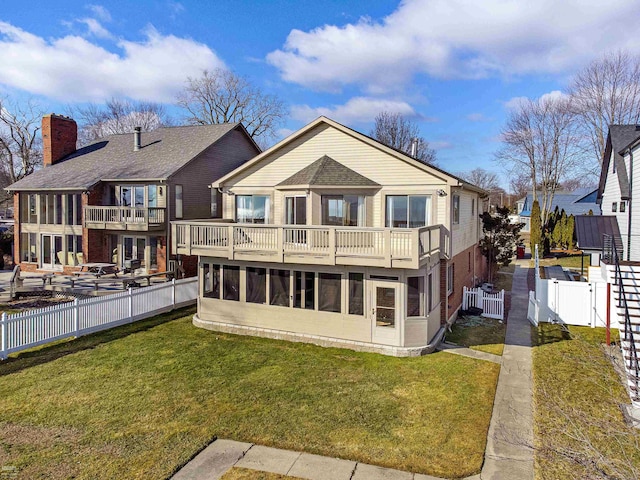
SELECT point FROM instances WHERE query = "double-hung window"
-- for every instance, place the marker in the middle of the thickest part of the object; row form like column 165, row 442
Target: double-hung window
column 253, row 208
column 408, row 211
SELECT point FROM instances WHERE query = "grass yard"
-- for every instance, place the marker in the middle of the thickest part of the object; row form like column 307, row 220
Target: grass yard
column 504, row 278
column 579, row 429
column 237, row 473
column 478, row 333
column 569, row 261
column 140, row 400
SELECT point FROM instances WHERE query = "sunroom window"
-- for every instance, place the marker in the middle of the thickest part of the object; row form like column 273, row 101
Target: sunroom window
column 343, row 210
column 408, row 211
column 253, row 208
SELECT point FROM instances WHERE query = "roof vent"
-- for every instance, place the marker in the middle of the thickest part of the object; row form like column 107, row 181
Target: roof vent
column 137, row 142
column 637, row 128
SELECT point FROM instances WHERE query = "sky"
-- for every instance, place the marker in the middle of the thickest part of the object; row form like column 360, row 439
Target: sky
column 455, row 67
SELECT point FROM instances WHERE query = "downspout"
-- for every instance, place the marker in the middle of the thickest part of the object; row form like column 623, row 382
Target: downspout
column 630, row 203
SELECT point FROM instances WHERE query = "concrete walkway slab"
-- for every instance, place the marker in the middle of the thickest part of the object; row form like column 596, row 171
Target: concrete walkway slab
column 269, row 459
column 468, row 352
column 212, row 462
column 371, row 472
column 509, row 453
column 316, row 467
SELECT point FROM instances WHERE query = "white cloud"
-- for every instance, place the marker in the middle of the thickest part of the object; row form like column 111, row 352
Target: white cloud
column 516, row 102
column 457, row 38
column 100, row 12
column 95, row 28
column 175, row 7
column 356, row 110
column 73, row 69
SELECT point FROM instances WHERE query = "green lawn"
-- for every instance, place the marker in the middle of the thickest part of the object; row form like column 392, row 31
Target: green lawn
column 478, row 333
column 569, row 261
column 579, row 428
column 237, row 473
column 139, row 401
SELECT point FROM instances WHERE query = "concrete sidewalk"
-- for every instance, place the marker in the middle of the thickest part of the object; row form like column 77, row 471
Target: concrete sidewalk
column 509, row 454
column 221, row 455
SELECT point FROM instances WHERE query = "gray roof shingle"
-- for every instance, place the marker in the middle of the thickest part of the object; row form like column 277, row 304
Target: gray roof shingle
column 164, row 151
column 326, row 171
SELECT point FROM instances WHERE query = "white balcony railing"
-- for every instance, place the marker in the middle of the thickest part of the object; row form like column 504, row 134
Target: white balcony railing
column 387, row 247
column 107, row 217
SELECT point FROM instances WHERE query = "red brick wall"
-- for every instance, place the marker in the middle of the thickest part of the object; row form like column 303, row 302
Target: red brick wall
column 59, row 138
column 464, row 273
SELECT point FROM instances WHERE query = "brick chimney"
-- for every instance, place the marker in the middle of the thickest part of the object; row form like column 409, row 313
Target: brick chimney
column 59, row 137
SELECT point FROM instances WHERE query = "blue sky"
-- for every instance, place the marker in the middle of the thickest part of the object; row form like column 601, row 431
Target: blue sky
column 454, row 66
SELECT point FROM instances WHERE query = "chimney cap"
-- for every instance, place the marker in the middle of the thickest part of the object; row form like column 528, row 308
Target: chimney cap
column 137, row 129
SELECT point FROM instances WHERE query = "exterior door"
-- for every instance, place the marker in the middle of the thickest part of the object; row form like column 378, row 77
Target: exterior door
column 296, row 214
column 51, row 251
column 384, row 304
column 134, row 249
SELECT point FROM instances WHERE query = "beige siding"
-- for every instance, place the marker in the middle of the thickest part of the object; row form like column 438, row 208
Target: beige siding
column 465, row 233
column 228, row 153
column 394, row 175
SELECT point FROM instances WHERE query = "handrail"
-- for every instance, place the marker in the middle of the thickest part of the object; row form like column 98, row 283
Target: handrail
column 120, row 214
column 634, row 364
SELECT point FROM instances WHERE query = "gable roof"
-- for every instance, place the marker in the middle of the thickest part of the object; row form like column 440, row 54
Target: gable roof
column 327, row 172
column 164, row 151
column 618, row 138
column 571, row 203
column 436, row 171
column 591, row 228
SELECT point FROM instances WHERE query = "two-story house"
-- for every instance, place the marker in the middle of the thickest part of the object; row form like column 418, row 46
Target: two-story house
column 336, row 239
column 616, row 192
column 112, row 201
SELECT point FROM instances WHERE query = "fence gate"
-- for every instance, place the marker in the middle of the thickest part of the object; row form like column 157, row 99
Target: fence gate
column 492, row 304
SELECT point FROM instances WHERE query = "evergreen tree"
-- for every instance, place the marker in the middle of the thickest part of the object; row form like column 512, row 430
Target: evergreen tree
column 536, row 226
column 500, row 237
column 569, row 231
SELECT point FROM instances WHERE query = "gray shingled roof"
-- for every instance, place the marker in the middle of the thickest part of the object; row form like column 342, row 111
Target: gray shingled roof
column 619, row 137
column 326, row 171
column 591, row 228
column 164, row 151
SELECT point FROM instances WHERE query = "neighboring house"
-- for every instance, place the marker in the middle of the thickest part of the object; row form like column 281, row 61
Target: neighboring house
column 616, row 194
column 334, row 238
column 576, row 203
column 112, row 201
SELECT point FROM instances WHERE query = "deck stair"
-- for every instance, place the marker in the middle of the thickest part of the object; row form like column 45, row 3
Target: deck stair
column 624, row 278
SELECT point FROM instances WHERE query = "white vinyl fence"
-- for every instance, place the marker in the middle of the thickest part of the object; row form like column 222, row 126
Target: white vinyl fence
column 31, row 328
column 492, row 304
column 570, row 302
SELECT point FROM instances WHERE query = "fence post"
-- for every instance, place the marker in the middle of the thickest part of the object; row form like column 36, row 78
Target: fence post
column 3, row 334
column 173, row 294
column 76, row 315
column 131, row 304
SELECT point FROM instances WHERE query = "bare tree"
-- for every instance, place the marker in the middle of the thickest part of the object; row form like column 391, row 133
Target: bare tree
column 118, row 116
column 604, row 93
column 222, row 96
column 520, row 184
column 482, row 178
column 396, row 131
column 541, row 138
column 20, row 145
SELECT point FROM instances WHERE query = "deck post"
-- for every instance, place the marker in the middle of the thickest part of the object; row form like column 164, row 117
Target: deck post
column 173, row 292
column 332, row 245
column 280, row 244
column 230, row 231
column 387, row 247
